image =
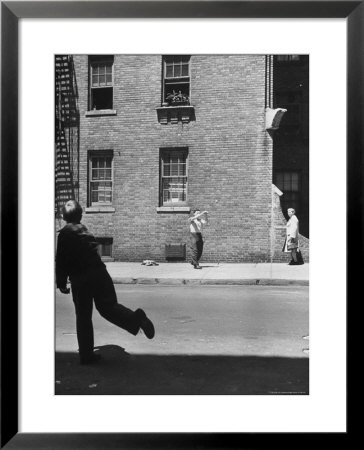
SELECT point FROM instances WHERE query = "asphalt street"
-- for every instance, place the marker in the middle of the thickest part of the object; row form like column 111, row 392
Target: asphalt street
column 209, row 340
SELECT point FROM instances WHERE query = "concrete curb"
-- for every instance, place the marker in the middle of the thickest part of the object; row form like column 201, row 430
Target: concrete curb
column 200, row 282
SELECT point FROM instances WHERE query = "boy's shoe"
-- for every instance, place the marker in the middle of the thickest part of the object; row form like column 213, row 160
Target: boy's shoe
column 146, row 325
column 90, row 359
column 198, row 266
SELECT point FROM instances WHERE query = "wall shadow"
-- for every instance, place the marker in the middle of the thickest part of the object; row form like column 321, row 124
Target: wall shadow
column 120, row 373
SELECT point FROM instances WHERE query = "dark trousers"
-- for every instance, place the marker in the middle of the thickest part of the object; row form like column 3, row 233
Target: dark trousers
column 196, row 244
column 97, row 286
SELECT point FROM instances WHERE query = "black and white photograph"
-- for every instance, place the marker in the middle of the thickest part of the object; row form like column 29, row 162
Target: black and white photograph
column 181, row 193
column 182, row 241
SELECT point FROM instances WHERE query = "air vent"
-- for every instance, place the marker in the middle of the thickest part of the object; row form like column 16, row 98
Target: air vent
column 175, row 251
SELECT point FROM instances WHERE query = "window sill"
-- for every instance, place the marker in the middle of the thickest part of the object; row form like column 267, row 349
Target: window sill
column 99, row 209
column 175, row 114
column 101, row 112
column 173, row 209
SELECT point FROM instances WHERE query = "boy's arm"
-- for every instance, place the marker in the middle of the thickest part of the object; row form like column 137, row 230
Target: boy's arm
column 197, row 216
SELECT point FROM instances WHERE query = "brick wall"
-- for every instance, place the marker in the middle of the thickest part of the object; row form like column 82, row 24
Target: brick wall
column 229, row 157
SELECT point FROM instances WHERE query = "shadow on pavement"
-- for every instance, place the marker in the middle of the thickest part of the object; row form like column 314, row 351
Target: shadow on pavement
column 119, row 373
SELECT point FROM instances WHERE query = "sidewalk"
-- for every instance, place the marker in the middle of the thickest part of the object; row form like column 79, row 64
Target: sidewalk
column 211, row 273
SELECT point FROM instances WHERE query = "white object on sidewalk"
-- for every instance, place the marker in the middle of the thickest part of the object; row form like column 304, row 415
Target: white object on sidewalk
column 149, row 262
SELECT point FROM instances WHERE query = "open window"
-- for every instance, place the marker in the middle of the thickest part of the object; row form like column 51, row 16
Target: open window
column 101, row 82
column 176, row 80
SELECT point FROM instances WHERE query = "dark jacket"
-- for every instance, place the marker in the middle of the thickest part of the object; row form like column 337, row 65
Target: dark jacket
column 76, row 253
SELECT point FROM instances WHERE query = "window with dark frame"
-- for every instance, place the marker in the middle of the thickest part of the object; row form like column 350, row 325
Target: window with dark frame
column 101, row 82
column 288, row 58
column 104, row 246
column 173, row 183
column 176, row 80
column 100, row 179
column 289, row 182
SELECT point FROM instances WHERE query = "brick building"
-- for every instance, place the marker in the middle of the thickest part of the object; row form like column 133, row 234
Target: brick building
column 142, row 140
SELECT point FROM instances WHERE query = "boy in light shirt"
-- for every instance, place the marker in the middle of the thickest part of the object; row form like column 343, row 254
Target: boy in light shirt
column 196, row 222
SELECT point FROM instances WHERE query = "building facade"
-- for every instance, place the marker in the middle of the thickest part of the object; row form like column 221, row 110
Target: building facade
column 143, row 140
column 291, row 140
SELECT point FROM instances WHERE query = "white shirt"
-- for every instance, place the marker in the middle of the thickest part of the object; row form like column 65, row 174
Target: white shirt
column 197, row 225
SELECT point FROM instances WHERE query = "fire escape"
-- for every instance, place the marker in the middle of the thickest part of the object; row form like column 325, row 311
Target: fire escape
column 66, row 134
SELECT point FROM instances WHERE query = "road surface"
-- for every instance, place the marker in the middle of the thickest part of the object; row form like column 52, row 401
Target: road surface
column 209, row 340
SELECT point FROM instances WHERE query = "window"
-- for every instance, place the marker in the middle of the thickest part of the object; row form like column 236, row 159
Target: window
column 100, row 179
column 101, row 82
column 176, row 80
column 290, row 184
column 104, row 247
column 173, row 190
column 288, row 58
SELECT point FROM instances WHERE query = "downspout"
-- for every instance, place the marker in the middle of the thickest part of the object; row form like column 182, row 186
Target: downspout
column 269, row 104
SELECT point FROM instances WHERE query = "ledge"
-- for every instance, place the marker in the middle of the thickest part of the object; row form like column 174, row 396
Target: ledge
column 276, row 190
column 175, row 114
column 173, row 209
column 101, row 112
column 99, row 209
column 273, row 118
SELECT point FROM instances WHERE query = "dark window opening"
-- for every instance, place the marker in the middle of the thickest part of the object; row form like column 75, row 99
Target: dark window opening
column 176, row 80
column 290, row 184
column 101, row 82
column 105, row 247
column 173, row 182
column 102, row 98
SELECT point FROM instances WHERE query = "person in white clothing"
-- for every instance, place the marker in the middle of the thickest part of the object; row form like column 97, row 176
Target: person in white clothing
column 291, row 243
column 196, row 222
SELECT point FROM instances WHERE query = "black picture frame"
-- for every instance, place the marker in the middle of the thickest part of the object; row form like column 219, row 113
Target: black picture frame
column 11, row 12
